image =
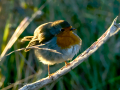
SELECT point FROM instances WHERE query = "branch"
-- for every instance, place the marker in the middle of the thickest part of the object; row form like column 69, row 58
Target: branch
column 112, row 30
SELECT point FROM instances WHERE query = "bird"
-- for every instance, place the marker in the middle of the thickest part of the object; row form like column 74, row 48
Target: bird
column 57, row 35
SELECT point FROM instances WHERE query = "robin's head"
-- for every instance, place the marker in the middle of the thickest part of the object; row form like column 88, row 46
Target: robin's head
column 60, row 27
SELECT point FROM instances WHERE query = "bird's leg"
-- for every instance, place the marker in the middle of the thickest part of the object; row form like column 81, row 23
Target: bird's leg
column 66, row 64
column 49, row 71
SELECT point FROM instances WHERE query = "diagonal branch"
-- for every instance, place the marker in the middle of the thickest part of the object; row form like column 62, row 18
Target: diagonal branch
column 112, row 30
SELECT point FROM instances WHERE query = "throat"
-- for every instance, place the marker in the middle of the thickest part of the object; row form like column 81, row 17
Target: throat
column 67, row 41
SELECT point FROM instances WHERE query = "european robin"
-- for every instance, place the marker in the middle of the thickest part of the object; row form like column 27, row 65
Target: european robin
column 57, row 35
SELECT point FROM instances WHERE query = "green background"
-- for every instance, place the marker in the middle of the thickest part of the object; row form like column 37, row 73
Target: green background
column 91, row 18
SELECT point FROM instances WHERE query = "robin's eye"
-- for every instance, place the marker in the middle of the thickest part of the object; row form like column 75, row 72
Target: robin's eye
column 62, row 30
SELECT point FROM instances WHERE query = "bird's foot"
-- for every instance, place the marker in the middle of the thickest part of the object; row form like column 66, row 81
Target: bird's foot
column 67, row 64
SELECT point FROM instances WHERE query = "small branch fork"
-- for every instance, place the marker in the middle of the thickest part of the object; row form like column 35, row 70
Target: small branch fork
column 112, row 30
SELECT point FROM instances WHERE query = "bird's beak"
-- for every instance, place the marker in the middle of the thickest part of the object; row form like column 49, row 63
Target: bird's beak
column 73, row 29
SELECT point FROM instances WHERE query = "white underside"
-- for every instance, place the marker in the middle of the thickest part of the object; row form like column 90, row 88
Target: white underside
column 48, row 57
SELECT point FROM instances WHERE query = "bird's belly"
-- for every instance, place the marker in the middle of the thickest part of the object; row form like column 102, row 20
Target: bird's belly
column 49, row 57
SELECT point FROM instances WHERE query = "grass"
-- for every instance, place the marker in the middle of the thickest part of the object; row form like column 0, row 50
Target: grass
column 91, row 18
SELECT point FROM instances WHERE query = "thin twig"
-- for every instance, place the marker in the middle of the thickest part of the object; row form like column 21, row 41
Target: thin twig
column 15, row 36
column 20, row 82
column 112, row 30
column 28, row 64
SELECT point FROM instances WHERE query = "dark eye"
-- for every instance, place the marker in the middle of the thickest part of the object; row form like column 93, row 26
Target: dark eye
column 62, row 30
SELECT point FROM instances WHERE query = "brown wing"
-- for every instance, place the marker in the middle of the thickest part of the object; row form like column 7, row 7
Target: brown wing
column 27, row 38
column 42, row 34
column 42, row 38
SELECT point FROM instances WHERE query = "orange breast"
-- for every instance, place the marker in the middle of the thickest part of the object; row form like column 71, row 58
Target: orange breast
column 67, row 39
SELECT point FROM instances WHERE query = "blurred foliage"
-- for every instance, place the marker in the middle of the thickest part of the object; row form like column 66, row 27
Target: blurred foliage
column 101, row 71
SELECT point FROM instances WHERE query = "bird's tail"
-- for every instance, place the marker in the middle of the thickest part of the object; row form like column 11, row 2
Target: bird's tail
column 27, row 38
